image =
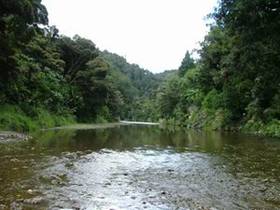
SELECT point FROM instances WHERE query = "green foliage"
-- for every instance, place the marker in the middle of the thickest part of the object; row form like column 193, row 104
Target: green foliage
column 103, row 115
column 236, row 81
column 45, row 78
column 187, row 63
column 213, row 100
column 143, row 80
column 169, row 96
column 76, row 53
column 14, row 118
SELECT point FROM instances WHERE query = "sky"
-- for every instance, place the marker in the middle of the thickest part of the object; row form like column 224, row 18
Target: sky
column 155, row 34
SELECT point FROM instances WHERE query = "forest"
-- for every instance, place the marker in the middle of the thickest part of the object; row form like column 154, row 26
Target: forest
column 48, row 79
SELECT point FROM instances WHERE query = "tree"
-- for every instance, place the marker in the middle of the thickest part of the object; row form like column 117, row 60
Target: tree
column 76, row 53
column 187, row 63
column 254, row 28
column 19, row 23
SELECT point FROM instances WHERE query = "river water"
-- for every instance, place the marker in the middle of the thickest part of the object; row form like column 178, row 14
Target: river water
column 139, row 167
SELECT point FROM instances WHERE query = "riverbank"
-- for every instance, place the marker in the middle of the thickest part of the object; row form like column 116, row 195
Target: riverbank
column 10, row 136
column 85, row 126
column 14, row 118
column 218, row 121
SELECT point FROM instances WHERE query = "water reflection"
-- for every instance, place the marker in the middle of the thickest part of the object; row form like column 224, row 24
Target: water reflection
column 132, row 167
column 127, row 138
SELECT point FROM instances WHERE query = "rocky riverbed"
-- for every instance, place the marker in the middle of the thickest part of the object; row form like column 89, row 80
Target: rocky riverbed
column 139, row 167
column 9, row 136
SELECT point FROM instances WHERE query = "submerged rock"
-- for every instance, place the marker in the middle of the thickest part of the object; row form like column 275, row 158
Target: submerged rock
column 8, row 136
column 34, row 201
column 15, row 206
column 15, row 160
column 2, row 207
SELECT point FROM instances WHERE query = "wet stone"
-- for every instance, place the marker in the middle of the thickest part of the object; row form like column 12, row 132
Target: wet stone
column 263, row 189
column 2, row 207
column 134, row 179
column 69, row 165
column 30, row 191
column 76, row 206
column 15, row 160
column 34, row 201
column 15, row 206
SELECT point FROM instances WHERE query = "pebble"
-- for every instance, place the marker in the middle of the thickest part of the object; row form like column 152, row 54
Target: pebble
column 15, row 160
column 34, row 201
column 29, row 191
column 69, row 165
column 2, row 207
column 15, row 206
column 263, row 189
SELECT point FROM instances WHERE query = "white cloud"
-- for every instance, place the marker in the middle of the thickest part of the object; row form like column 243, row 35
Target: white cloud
column 152, row 33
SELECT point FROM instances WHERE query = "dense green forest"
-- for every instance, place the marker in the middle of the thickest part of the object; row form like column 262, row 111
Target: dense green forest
column 48, row 79
column 236, row 82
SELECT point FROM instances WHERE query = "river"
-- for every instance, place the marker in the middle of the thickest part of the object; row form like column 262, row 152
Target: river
column 139, row 167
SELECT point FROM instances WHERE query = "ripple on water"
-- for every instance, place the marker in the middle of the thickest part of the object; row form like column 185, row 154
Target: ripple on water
column 140, row 168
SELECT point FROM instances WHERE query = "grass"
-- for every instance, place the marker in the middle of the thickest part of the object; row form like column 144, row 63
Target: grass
column 13, row 118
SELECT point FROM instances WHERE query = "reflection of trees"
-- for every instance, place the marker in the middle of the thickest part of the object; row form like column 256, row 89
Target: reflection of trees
column 253, row 156
column 246, row 154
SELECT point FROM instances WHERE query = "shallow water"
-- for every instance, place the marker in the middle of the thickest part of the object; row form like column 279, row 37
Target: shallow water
column 140, row 167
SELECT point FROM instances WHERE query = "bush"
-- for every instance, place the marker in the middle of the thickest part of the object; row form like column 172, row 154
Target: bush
column 14, row 118
column 213, row 100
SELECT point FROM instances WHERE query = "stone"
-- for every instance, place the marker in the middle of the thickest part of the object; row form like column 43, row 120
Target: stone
column 34, row 201
column 30, row 191
column 2, row 207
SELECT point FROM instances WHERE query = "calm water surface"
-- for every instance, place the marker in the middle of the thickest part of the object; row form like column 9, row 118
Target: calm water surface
column 140, row 167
